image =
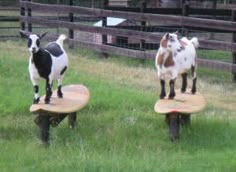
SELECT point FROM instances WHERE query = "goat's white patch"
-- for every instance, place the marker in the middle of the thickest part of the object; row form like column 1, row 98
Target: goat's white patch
column 33, row 43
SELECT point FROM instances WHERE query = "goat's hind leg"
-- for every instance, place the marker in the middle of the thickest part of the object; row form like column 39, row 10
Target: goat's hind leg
column 59, row 92
column 48, row 91
column 184, row 82
column 194, row 78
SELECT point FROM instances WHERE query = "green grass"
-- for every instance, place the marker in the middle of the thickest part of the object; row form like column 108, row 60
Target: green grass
column 224, row 56
column 118, row 130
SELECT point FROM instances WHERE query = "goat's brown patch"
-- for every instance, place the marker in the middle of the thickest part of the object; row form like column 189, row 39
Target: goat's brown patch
column 163, row 42
column 169, row 61
column 183, row 44
column 160, row 59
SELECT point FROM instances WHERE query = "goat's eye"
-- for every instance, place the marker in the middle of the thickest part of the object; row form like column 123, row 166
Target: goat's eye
column 29, row 43
column 37, row 42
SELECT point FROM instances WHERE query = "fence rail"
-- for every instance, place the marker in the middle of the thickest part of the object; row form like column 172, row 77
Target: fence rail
column 209, row 44
column 181, row 21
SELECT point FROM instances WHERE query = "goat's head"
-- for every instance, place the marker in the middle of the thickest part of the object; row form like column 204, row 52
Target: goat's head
column 33, row 40
column 169, row 42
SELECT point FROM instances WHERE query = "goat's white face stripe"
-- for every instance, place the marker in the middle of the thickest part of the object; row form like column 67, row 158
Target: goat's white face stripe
column 33, row 43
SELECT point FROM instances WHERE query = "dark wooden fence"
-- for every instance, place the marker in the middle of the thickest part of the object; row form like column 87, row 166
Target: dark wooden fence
column 9, row 24
column 180, row 21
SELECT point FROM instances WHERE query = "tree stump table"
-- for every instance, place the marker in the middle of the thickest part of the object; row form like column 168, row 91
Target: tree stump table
column 178, row 110
column 75, row 97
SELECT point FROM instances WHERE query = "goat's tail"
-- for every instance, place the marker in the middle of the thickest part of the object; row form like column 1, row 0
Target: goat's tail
column 195, row 42
column 61, row 39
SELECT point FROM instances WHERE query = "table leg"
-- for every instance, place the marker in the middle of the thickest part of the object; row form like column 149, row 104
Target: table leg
column 42, row 120
column 173, row 121
column 56, row 119
column 72, row 119
column 185, row 119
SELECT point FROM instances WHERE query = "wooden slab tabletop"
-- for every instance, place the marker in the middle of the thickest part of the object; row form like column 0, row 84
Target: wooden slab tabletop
column 182, row 103
column 74, row 98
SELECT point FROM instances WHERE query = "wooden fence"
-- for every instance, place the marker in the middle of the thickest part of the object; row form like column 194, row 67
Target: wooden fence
column 8, row 24
column 181, row 21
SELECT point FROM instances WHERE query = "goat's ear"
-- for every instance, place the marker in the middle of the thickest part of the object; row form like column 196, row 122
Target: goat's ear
column 42, row 35
column 167, row 36
column 24, row 34
column 176, row 32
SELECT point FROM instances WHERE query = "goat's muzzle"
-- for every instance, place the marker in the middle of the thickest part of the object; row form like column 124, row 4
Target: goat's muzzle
column 34, row 50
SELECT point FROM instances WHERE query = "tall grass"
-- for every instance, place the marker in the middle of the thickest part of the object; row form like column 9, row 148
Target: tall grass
column 118, row 130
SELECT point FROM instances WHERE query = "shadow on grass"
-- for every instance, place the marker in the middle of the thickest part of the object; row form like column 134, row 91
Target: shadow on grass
column 13, row 133
column 211, row 134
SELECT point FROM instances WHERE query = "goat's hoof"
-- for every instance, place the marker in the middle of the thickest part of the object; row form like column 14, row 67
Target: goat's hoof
column 193, row 90
column 47, row 101
column 171, row 96
column 162, row 95
column 36, row 101
column 183, row 90
column 60, row 95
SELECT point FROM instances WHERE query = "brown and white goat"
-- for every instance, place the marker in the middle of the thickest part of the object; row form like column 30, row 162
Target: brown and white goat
column 176, row 56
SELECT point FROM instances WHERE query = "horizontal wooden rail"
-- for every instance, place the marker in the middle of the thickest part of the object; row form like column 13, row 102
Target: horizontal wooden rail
column 229, row 67
column 176, row 11
column 9, row 18
column 9, row 9
column 209, row 44
column 165, row 19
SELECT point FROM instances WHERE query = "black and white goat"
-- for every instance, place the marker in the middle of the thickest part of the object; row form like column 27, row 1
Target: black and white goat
column 48, row 63
column 176, row 56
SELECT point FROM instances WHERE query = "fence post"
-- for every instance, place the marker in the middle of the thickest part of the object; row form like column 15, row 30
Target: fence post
column 29, row 13
column 22, row 13
column 185, row 12
column 234, row 40
column 143, row 25
column 104, row 23
column 92, row 4
column 71, row 31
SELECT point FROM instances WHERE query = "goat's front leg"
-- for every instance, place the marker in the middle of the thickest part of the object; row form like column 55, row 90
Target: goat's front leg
column 36, row 90
column 172, row 89
column 194, row 78
column 163, row 91
column 184, row 82
column 48, row 91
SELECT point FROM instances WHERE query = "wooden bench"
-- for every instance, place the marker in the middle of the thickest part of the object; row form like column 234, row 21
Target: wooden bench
column 75, row 97
column 178, row 111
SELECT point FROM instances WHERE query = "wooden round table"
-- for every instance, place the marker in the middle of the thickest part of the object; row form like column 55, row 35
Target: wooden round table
column 178, row 110
column 75, row 97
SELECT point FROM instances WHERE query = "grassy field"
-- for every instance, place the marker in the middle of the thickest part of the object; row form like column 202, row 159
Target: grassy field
column 118, row 130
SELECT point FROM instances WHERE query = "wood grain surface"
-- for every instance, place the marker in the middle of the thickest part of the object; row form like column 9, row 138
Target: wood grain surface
column 182, row 103
column 74, row 98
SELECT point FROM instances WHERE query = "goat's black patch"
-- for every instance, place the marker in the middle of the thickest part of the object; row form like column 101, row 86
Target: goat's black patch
column 36, row 88
column 38, row 42
column 29, row 42
column 43, row 62
column 63, row 70
column 54, row 49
